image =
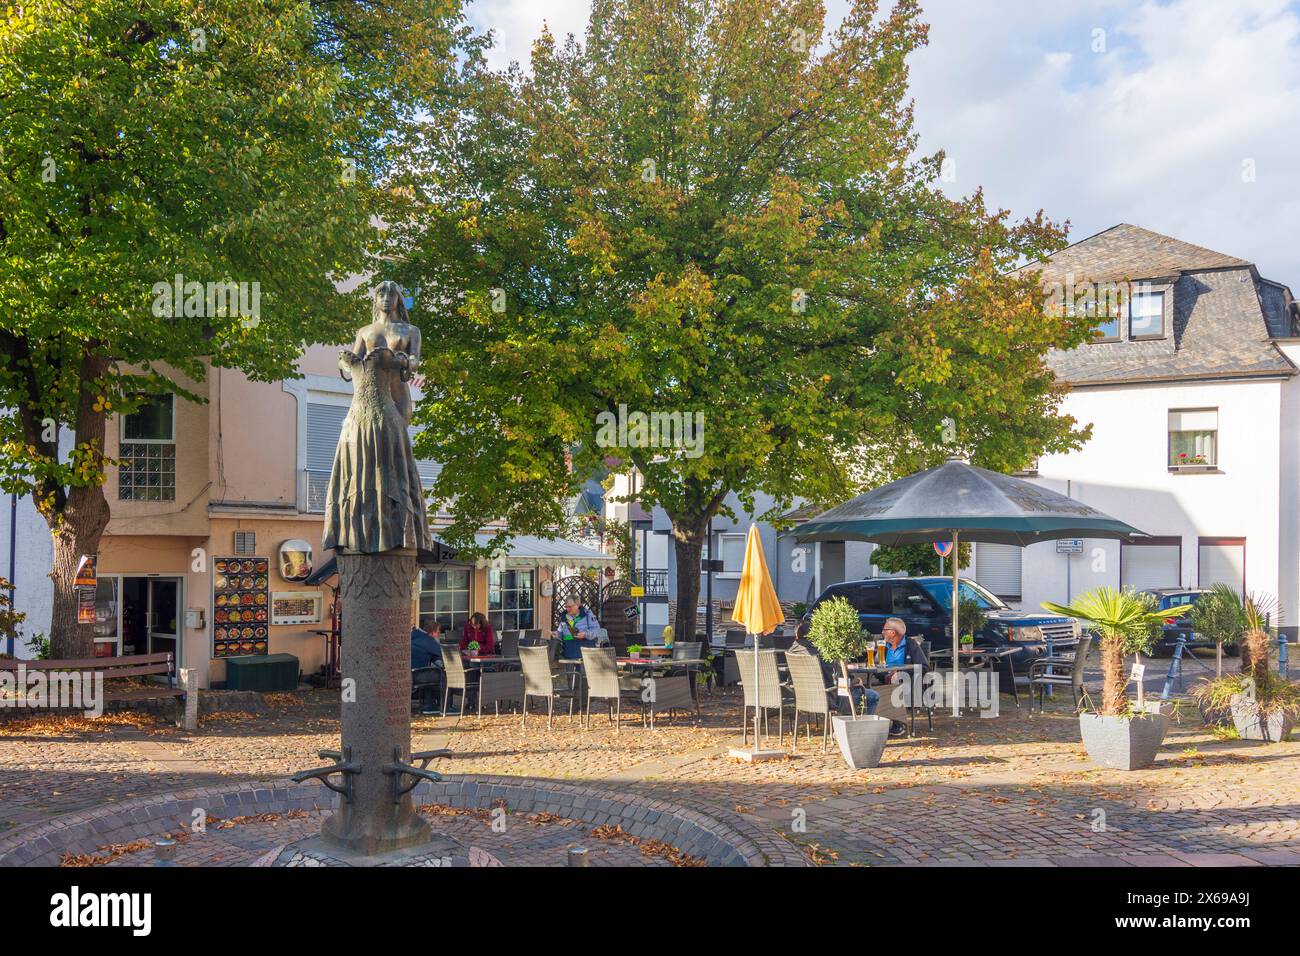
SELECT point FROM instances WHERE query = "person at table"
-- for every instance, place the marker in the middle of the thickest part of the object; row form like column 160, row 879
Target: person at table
column 477, row 629
column 900, row 651
column 578, row 629
column 426, row 663
column 862, row 696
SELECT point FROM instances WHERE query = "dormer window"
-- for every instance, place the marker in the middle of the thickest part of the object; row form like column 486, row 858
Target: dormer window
column 1146, row 315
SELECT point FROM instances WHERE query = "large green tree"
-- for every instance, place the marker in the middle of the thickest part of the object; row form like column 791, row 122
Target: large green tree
column 716, row 207
column 220, row 140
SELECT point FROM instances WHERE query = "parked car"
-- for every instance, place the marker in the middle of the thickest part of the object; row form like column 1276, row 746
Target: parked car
column 925, row 604
column 1174, row 626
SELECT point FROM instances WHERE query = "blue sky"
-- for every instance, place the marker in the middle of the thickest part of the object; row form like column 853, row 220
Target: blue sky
column 1182, row 116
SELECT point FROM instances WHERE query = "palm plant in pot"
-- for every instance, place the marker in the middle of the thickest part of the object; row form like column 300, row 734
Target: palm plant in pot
column 837, row 634
column 1119, row 736
column 1263, row 705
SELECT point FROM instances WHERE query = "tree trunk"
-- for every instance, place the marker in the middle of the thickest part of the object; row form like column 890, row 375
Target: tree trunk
column 1254, row 654
column 77, row 518
column 1113, row 699
column 688, row 546
column 75, row 536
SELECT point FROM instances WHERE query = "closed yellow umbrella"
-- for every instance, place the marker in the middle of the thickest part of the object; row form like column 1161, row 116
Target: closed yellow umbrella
column 756, row 604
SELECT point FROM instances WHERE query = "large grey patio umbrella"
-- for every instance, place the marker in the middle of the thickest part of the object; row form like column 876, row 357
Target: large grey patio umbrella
column 956, row 501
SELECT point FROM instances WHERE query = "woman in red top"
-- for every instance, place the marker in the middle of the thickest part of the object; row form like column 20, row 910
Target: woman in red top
column 478, row 629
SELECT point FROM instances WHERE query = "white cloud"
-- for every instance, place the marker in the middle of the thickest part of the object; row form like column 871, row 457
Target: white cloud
column 1154, row 130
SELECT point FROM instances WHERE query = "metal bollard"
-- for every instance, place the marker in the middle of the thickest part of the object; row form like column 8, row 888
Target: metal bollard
column 577, row 856
column 164, row 852
column 1283, row 662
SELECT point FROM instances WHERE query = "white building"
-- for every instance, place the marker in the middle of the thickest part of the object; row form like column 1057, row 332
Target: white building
column 1194, row 404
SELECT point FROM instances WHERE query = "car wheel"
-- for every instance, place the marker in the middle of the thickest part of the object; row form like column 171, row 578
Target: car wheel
column 1231, row 650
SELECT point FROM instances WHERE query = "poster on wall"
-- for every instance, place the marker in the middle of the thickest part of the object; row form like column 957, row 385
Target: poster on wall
column 85, row 605
column 240, row 606
column 296, row 607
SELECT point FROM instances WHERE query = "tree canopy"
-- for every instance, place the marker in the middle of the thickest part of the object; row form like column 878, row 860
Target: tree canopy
column 716, row 208
column 235, row 141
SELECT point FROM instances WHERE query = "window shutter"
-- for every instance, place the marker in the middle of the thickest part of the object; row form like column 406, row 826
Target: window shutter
column 997, row 567
column 324, row 423
column 429, row 470
column 1144, row 567
column 1222, row 563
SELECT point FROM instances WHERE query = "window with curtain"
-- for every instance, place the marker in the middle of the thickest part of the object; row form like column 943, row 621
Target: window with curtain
column 1193, row 437
column 510, row 600
column 446, row 596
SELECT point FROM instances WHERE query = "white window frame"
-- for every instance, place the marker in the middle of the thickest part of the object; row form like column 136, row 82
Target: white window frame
column 501, row 612
column 1171, row 431
column 722, row 551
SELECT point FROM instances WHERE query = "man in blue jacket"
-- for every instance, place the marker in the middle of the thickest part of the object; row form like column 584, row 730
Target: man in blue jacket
column 426, row 664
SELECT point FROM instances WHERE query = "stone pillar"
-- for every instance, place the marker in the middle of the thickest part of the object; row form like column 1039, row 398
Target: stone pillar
column 376, row 594
column 189, row 681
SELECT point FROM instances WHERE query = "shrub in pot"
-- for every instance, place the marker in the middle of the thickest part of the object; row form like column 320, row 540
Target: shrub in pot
column 1120, row 736
column 1262, row 708
column 1261, row 704
column 836, row 632
column 1219, row 616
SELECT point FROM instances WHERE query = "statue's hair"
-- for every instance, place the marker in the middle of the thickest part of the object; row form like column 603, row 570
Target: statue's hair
column 376, row 310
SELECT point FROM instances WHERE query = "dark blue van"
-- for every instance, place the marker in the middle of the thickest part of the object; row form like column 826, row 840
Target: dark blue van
column 925, row 604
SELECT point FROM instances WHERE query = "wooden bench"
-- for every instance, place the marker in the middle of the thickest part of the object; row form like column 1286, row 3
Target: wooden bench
column 134, row 665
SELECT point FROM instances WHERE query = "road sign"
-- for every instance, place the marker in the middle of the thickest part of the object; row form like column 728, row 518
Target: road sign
column 943, row 548
column 1069, row 546
column 636, row 591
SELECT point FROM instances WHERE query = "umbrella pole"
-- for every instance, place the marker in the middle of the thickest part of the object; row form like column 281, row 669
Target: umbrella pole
column 758, row 743
column 956, row 603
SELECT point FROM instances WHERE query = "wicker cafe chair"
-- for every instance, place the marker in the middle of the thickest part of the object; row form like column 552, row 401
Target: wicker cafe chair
column 1044, row 673
column 454, row 677
column 604, row 683
column 769, row 690
column 540, row 682
column 688, row 651
column 667, row 694
column 810, row 692
column 510, row 643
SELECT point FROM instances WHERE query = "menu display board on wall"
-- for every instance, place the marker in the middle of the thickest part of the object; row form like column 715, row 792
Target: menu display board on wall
column 240, row 606
column 296, row 607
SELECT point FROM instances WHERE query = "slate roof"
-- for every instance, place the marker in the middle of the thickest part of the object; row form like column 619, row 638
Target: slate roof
column 1222, row 316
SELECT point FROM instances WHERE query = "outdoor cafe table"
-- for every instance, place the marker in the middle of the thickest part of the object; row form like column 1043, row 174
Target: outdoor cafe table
column 981, row 657
column 498, row 678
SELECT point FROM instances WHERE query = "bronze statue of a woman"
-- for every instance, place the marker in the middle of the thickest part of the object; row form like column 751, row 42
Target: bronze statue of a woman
column 375, row 501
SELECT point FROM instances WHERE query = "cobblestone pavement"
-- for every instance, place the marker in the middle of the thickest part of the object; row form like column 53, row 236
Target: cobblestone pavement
column 1017, row 789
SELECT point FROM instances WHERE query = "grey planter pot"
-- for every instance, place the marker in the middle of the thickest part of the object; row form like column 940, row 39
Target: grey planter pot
column 1123, row 743
column 1252, row 725
column 861, row 739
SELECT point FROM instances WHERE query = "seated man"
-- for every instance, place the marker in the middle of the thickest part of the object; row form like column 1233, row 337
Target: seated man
column 857, row 689
column 900, row 651
column 426, row 663
column 578, row 629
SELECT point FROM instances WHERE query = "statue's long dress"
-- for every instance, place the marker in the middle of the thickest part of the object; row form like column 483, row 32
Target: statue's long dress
column 375, row 500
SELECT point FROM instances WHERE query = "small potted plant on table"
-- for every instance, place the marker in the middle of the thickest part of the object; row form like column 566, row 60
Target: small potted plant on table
column 837, row 634
column 634, row 651
column 1120, row 736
